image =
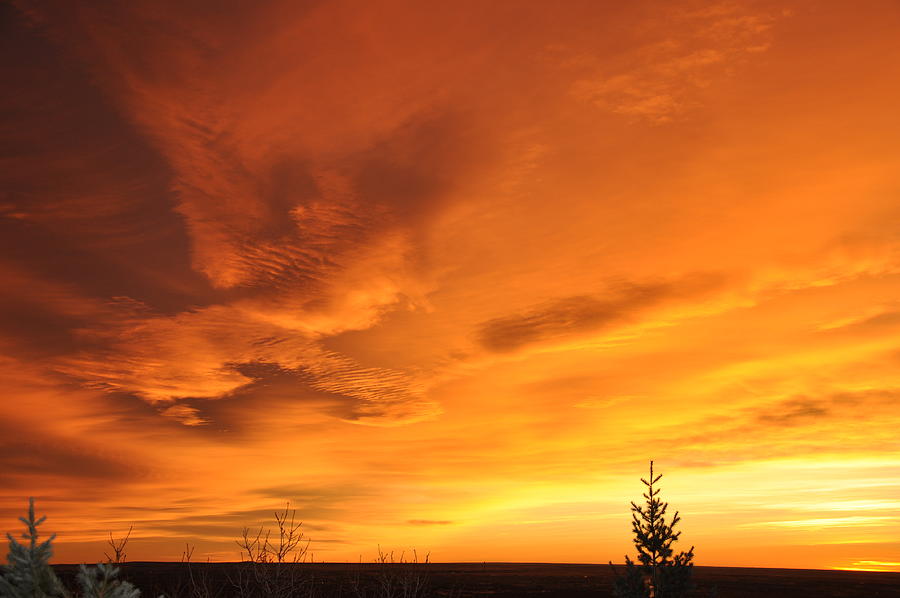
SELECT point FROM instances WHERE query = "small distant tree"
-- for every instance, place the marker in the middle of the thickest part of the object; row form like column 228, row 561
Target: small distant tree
column 659, row 573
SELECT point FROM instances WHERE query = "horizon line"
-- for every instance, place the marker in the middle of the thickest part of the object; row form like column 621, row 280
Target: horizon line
column 484, row 563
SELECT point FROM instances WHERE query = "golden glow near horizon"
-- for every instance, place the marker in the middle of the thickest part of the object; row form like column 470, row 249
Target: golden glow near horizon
column 447, row 276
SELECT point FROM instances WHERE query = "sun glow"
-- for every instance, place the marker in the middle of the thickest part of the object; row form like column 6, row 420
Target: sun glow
column 884, row 566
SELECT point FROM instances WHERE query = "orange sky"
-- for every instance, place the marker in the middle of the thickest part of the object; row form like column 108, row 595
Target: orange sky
column 447, row 276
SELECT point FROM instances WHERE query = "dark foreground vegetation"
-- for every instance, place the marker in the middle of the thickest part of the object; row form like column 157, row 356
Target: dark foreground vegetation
column 496, row 580
column 274, row 565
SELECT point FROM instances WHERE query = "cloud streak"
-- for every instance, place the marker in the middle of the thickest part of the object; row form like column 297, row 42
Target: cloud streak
column 579, row 315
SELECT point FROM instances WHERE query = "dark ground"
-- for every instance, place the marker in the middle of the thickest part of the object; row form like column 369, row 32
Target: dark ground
column 506, row 580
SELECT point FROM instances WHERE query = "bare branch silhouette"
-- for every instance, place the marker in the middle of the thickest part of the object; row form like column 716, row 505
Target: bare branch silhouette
column 118, row 547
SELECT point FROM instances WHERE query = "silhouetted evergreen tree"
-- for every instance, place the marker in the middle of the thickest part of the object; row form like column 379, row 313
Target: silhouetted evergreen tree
column 29, row 575
column 659, row 573
column 28, row 572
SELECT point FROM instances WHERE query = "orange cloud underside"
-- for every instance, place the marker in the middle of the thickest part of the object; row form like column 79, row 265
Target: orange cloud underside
column 442, row 275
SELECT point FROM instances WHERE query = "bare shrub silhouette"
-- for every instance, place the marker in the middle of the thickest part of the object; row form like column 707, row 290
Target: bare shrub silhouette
column 199, row 582
column 660, row 573
column 396, row 577
column 268, row 565
column 118, row 547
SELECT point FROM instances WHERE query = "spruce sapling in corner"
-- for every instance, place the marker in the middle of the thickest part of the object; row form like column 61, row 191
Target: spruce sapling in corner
column 28, row 573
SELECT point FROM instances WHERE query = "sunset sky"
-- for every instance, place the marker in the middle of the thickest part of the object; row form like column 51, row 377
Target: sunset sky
column 447, row 275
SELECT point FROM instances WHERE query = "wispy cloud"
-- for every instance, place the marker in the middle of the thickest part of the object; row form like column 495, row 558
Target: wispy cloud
column 426, row 281
column 689, row 51
column 827, row 522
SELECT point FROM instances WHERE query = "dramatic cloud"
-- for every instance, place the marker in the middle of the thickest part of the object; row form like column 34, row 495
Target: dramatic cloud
column 435, row 273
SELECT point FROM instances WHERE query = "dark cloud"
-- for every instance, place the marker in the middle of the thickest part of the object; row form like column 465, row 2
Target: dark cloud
column 800, row 409
column 132, row 178
column 581, row 314
column 232, row 522
column 793, row 426
column 794, row 411
column 302, row 493
column 85, row 197
column 274, row 390
column 36, row 330
column 305, row 230
column 411, row 171
column 37, row 455
column 158, row 155
column 883, row 323
column 563, row 318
